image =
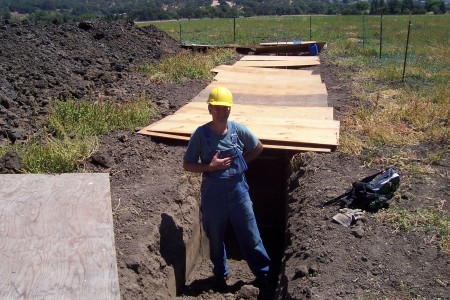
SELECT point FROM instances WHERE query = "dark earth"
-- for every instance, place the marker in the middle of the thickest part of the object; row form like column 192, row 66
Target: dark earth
column 152, row 197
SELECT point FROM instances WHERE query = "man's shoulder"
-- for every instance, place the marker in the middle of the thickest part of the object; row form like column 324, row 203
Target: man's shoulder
column 239, row 126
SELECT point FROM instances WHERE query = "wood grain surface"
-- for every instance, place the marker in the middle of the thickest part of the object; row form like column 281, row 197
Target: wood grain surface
column 57, row 238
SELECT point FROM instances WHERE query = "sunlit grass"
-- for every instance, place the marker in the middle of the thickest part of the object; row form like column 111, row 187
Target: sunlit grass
column 436, row 220
column 187, row 66
column 53, row 155
column 87, row 118
column 75, row 126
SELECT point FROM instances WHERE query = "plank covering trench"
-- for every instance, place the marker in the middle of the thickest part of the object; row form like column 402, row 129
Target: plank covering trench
column 277, row 63
column 285, row 108
column 57, row 238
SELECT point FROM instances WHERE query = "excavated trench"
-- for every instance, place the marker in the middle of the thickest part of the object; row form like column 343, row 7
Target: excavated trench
column 267, row 177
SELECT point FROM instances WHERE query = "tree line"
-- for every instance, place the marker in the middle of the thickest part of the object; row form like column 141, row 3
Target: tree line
column 147, row 10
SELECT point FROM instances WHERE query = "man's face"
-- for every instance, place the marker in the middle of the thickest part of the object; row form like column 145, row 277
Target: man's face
column 219, row 112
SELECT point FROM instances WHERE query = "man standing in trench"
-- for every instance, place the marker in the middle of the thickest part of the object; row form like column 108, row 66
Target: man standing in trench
column 220, row 150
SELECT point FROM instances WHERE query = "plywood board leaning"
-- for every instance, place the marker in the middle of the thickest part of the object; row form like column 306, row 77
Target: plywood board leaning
column 57, row 238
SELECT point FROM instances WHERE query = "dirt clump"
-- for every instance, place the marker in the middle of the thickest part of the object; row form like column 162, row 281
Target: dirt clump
column 155, row 203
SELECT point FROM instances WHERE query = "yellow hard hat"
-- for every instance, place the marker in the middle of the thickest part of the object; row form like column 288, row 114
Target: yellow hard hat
column 220, row 96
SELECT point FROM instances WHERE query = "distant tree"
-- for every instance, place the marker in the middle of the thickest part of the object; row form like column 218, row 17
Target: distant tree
column 407, row 6
column 435, row 6
column 382, row 7
column 48, row 5
column 395, row 7
column 374, row 7
column 5, row 14
column 362, row 6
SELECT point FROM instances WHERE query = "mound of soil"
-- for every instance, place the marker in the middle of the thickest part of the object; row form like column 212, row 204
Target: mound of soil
column 155, row 204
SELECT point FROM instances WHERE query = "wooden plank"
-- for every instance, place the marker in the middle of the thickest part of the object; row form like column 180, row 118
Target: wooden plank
column 280, row 100
column 287, row 43
column 286, row 112
column 301, row 99
column 265, row 71
column 201, row 117
column 273, row 88
column 317, row 132
column 295, row 58
column 263, row 79
column 266, row 144
column 265, row 76
column 294, row 48
column 56, row 237
column 279, row 64
column 276, row 84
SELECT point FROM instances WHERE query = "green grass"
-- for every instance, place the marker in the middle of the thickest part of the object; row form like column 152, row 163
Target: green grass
column 76, row 126
column 53, row 155
column 186, row 66
column 87, row 118
column 435, row 220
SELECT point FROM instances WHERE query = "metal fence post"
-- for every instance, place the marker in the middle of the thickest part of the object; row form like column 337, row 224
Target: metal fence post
column 381, row 32
column 406, row 49
column 234, row 30
column 310, row 28
column 363, row 29
column 181, row 40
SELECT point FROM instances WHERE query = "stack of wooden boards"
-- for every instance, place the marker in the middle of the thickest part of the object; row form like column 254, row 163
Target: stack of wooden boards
column 285, row 108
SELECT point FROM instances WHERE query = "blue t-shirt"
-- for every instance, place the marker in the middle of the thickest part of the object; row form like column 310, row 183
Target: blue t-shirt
column 198, row 147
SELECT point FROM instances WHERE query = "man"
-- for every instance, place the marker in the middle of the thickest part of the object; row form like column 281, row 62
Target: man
column 221, row 149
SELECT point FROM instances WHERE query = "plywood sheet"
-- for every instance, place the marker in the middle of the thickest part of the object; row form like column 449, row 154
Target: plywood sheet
column 311, row 61
column 296, row 58
column 267, row 144
column 263, row 79
column 273, row 88
column 200, row 110
column 288, row 43
column 56, row 237
column 265, row 71
column 302, row 98
column 302, row 131
column 266, row 76
column 289, row 48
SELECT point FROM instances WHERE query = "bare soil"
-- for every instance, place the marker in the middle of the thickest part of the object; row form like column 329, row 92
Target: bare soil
column 155, row 204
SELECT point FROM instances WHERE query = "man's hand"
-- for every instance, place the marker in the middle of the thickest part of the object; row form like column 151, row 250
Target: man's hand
column 220, row 163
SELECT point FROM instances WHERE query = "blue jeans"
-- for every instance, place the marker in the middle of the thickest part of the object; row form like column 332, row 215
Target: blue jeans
column 226, row 199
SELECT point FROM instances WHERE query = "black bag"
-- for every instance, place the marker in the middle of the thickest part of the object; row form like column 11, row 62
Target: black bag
column 370, row 193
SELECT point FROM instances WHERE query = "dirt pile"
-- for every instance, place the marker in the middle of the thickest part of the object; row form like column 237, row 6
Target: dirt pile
column 86, row 60
column 155, row 203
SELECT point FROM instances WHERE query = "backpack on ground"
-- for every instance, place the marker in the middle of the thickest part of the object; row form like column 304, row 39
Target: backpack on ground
column 370, row 193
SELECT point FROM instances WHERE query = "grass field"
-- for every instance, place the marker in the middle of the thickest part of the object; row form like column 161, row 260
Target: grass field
column 410, row 98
